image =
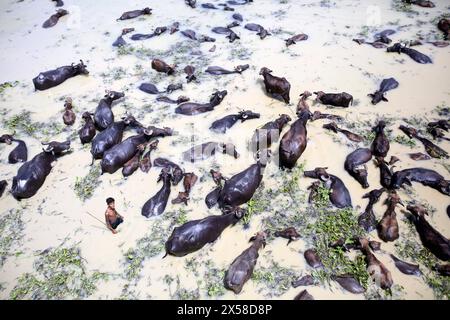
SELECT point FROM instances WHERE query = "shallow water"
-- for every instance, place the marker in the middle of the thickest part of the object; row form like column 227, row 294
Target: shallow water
column 327, row 61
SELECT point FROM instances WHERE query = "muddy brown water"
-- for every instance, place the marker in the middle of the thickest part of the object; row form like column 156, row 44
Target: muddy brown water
column 327, row 61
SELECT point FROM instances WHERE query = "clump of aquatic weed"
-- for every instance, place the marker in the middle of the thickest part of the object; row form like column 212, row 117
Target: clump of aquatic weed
column 273, row 280
column 328, row 228
column 11, row 231
column 6, row 85
column 213, row 278
column 39, row 130
column 152, row 244
column 84, row 187
column 59, row 274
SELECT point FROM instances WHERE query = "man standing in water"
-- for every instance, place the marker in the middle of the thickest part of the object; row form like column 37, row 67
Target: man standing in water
column 113, row 219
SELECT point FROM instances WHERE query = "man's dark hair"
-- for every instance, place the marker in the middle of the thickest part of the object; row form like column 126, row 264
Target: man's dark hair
column 110, row 200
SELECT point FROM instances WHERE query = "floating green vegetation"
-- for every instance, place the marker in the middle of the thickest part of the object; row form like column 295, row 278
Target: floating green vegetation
column 321, row 198
column 376, row 293
column 60, row 274
column 85, row 186
column 6, row 85
column 39, row 130
column 330, row 227
column 21, row 121
column 240, row 53
column 257, row 204
column 11, row 231
column 402, row 6
column 275, row 279
column 406, row 141
column 213, row 278
column 147, row 247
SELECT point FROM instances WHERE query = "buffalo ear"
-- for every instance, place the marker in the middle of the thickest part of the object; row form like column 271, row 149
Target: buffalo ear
column 384, row 99
column 252, row 239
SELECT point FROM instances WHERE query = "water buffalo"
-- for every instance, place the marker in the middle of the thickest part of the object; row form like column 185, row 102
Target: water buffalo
column 419, row 156
column 59, row 3
column 32, row 174
column 380, row 145
column 342, row 99
column 443, row 269
column 87, row 132
column 339, row 196
column 3, row 185
column 385, row 172
column 270, row 132
column 115, row 157
column 195, row 234
column 239, row 189
column 406, row 267
column 219, row 70
column 225, row 123
column 427, row 177
column 163, row 67
column 177, row 172
column 260, row 30
column 353, row 164
column 49, row 79
column 294, row 141
column 120, row 41
column 111, row 136
column 190, row 76
column 386, row 85
column 294, row 39
column 208, row 149
column 191, row 108
column 304, row 295
column 54, row 18
column 289, row 233
column 190, row 3
column 313, row 259
column 189, row 33
column 421, row 3
column 241, row 269
column 68, row 115
column 319, row 115
column 430, row 237
column 388, row 226
column 133, row 164
column 238, row 17
column 377, row 270
column 367, row 219
column 350, row 135
column 157, row 32
column 135, row 13
column 432, row 149
column 179, row 100
column 412, row 53
column 444, row 26
column 189, row 181
column 276, row 86
column 19, row 153
column 157, row 204
column 349, row 283
column 146, row 163
column 307, row 280
column 103, row 115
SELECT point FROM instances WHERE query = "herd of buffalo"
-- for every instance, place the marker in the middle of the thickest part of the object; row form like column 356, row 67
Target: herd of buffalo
column 105, row 134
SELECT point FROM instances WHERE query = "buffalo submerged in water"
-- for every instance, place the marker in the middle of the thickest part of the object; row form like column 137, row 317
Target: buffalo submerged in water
column 32, row 174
